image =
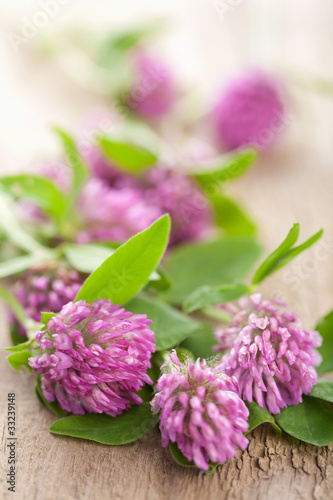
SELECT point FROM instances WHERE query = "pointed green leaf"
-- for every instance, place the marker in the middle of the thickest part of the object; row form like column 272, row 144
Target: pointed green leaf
column 15, row 335
column 323, row 390
column 23, row 346
column 169, row 325
column 284, row 254
column 296, row 251
column 230, row 217
column 213, row 263
column 24, row 262
column 325, row 328
column 40, row 190
column 19, row 359
column 46, row 316
column 127, row 156
column 86, row 258
column 310, row 421
column 13, row 230
column 260, row 416
column 104, row 429
column 208, row 295
column 275, row 256
column 79, row 169
column 224, row 168
column 127, row 270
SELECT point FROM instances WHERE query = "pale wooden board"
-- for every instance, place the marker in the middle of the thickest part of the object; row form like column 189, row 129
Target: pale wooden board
column 281, row 189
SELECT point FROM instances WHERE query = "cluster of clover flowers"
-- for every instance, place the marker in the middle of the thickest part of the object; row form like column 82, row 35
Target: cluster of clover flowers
column 248, row 110
column 93, row 357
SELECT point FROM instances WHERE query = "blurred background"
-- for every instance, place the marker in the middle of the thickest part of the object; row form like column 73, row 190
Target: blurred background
column 204, row 41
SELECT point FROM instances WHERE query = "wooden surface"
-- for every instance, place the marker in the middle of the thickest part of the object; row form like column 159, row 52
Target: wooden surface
column 292, row 183
column 278, row 191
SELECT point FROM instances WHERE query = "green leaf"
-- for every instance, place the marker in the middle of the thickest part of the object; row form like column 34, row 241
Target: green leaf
column 310, row 421
column 283, row 254
column 230, row 217
column 127, row 270
column 24, row 262
column 79, row 169
column 207, row 295
column 223, row 169
column 46, row 316
column 40, row 190
column 296, row 251
column 184, row 355
column 170, row 326
column 323, row 390
column 19, row 359
column 159, row 280
column 117, row 44
column 200, row 343
column 86, row 258
column 13, row 230
column 104, row 429
column 325, row 328
column 181, row 460
column 260, row 416
column 23, row 346
column 178, row 456
column 127, row 156
column 275, row 256
column 54, row 407
column 15, row 335
column 208, row 264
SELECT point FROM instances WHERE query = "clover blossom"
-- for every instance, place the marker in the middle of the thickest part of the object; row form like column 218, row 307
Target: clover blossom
column 93, row 358
column 250, row 111
column 270, row 355
column 201, row 412
column 153, row 92
column 45, row 288
column 107, row 213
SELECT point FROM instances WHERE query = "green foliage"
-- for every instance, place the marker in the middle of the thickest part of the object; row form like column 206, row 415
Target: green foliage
column 323, row 390
column 223, row 169
column 24, row 262
column 40, row 190
column 230, row 217
column 260, row 416
column 170, row 326
column 14, row 231
column 283, row 254
column 127, row 156
column 208, row 295
column 325, row 328
column 127, row 270
column 125, row 428
column 19, row 359
column 310, row 421
column 213, row 263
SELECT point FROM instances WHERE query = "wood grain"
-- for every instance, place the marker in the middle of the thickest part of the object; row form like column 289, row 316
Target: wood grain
column 281, row 189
